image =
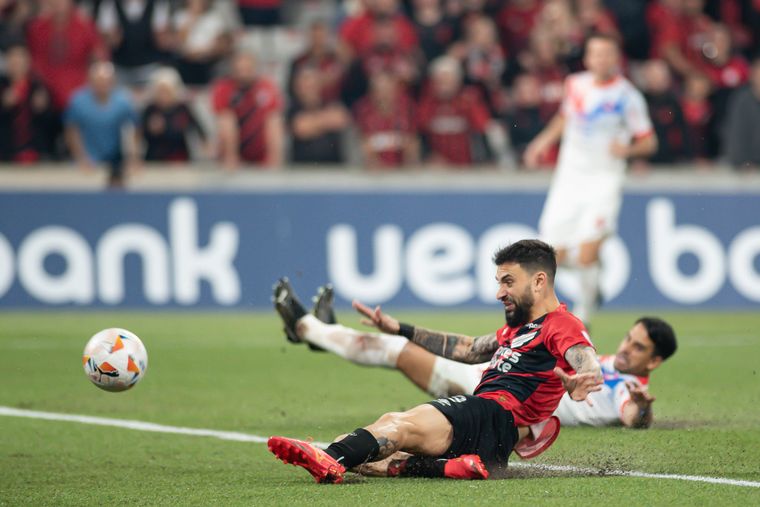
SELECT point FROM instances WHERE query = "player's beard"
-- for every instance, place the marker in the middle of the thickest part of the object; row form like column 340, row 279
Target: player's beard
column 521, row 312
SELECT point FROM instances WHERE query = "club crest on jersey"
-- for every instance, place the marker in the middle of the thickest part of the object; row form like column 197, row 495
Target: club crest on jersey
column 519, row 341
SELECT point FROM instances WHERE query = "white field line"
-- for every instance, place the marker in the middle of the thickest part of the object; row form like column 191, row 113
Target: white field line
column 246, row 437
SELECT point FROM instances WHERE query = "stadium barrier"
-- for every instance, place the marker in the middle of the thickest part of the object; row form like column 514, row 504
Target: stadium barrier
column 416, row 244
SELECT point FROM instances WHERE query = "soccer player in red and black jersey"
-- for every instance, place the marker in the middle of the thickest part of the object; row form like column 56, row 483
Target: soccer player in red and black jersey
column 540, row 353
column 249, row 115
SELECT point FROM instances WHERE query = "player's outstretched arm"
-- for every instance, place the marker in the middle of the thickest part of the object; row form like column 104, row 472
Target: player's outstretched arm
column 457, row 347
column 588, row 372
column 637, row 413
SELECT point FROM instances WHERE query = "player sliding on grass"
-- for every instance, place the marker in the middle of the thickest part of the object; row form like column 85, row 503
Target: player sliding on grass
column 532, row 359
column 624, row 398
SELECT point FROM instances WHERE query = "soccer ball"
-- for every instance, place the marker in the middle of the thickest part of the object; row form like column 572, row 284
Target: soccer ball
column 115, row 359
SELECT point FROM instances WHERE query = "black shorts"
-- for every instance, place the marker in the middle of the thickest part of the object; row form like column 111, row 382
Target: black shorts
column 481, row 427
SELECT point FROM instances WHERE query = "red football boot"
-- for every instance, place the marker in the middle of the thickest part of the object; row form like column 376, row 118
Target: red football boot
column 297, row 452
column 467, row 466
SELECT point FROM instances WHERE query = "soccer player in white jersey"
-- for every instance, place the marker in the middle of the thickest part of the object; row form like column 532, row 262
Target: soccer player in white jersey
column 624, row 399
column 603, row 121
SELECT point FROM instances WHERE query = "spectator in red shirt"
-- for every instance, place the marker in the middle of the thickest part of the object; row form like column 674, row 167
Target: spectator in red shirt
column 724, row 67
column 63, row 42
column 516, row 21
column 320, row 55
column 698, row 112
column 385, row 119
column 357, row 33
column 682, row 39
column 451, row 117
column 386, row 55
column 595, row 18
column 543, row 60
column 249, row 116
column 27, row 119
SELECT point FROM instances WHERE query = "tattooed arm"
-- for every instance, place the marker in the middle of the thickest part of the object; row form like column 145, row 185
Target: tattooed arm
column 457, row 347
column 588, row 372
column 464, row 349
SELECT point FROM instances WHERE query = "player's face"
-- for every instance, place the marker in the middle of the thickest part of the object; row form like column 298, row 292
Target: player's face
column 515, row 293
column 636, row 354
column 602, row 58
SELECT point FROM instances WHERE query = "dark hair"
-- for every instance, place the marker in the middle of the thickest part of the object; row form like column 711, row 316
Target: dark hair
column 531, row 254
column 601, row 36
column 662, row 335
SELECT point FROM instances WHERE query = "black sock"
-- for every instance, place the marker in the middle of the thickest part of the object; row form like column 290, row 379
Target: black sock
column 358, row 447
column 423, row 466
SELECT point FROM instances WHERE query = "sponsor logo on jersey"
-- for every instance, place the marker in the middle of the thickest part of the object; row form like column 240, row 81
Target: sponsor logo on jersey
column 519, row 341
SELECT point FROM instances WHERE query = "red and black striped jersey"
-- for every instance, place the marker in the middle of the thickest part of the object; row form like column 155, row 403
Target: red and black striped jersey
column 520, row 376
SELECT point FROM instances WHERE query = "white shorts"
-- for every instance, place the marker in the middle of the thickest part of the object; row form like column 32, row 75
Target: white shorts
column 572, row 216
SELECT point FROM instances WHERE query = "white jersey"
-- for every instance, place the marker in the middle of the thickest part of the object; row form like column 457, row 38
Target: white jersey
column 595, row 116
column 586, row 192
column 608, row 403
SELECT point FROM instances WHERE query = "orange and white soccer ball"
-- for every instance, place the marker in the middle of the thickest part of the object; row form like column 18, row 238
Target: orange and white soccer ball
column 115, row 359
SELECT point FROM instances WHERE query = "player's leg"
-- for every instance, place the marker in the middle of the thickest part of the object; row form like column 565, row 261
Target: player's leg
column 422, row 430
column 589, row 271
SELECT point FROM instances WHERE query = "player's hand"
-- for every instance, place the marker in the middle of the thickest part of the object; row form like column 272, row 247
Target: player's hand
column 619, row 150
column 533, row 153
column 580, row 385
column 376, row 318
column 639, row 395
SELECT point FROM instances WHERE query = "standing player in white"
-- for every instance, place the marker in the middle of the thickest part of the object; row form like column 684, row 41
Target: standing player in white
column 603, row 121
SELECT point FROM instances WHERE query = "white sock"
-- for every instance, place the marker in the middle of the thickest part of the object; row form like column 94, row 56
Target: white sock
column 370, row 349
column 587, row 302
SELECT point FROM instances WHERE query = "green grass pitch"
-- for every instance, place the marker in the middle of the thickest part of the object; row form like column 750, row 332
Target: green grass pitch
column 235, row 372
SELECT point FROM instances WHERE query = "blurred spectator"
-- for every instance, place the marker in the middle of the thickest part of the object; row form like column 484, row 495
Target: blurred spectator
column 435, row 30
column 698, row 113
column 385, row 54
column 742, row 140
column 724, row 67
column 203, row 38
column 167, row 121
column 736, row 15
column 594, row 18
column 249, row 116
column 138, row 33
column 14, row 15
column 666, row 113
column 525, row 119
column 483, row 59
column 63, row 42
column 543, row 60
column 320, row 55
column 516, row 21
column 632, row 23
column 95, row 120
column 558, row 21
column 682, row 38
column 27, row 119
column 385, row 119
column 316, row 126
column 357, row 33
column 260, row 12
column 451, row 117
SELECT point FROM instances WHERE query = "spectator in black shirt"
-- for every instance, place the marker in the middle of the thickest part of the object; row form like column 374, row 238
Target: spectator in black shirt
column 316, row 127
column 28, row 123
column 742, row 143
column 167, row 120
column 666, row 113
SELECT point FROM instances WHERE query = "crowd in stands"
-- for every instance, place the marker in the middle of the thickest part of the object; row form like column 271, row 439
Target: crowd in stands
column 373, row 83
